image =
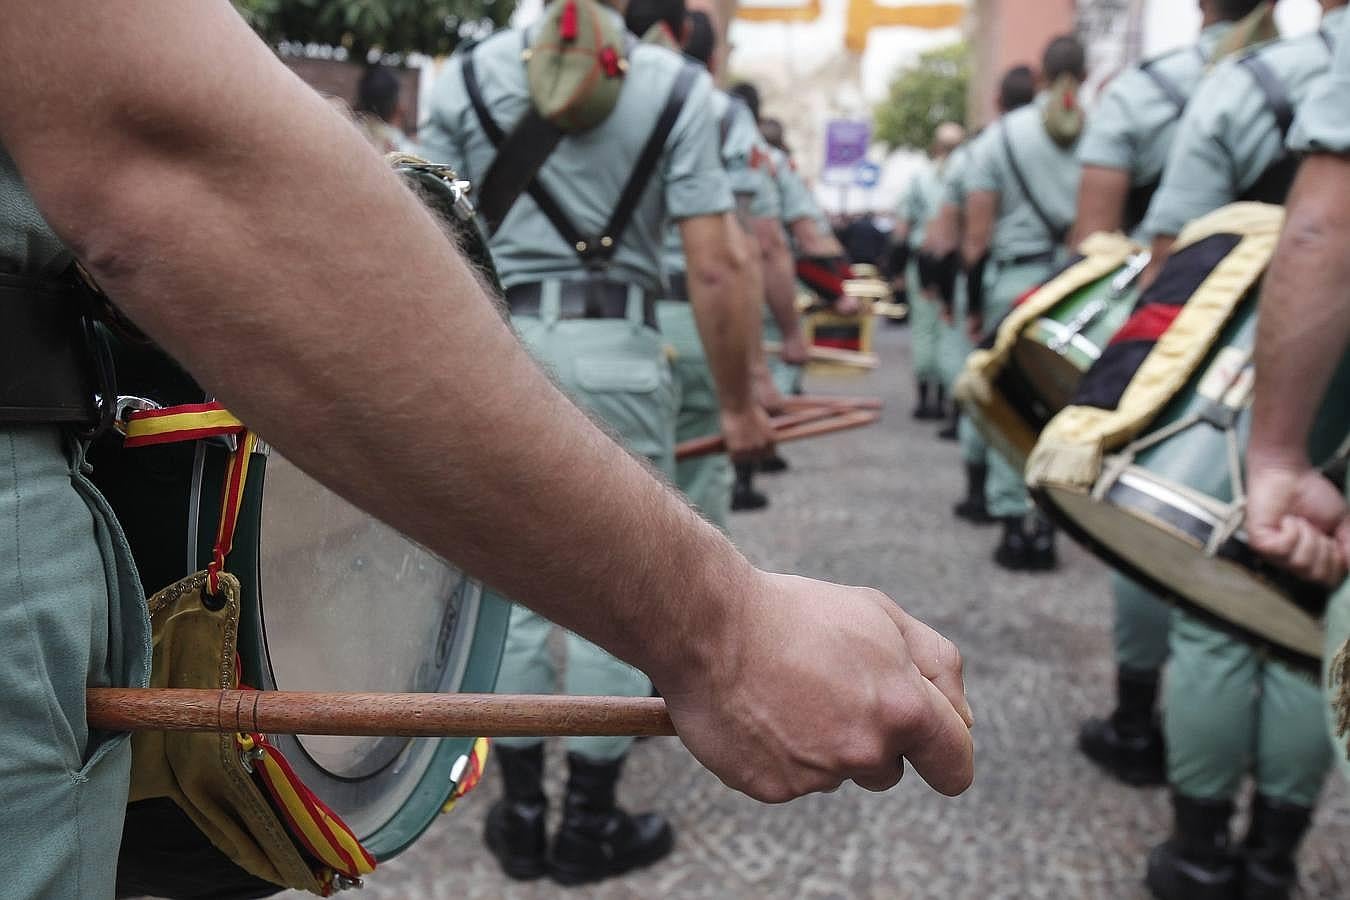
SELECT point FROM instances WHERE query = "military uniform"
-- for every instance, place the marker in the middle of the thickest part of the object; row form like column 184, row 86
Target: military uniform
column 953, row 345
column 73, row 616
column 794, row 204
column 1023, row 249
column 1131, row 130
column 918, row 206
column 1228, row 710
column 706, row 480
column 1322, row 127
column 615, row 367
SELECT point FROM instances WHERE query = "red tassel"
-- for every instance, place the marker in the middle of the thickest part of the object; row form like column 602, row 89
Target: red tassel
column 1070, row 101
column 609, row 61
column 567, row 27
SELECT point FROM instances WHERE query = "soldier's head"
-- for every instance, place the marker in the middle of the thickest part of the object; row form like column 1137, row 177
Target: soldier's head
column 748, row 94
column 1226, row 10
column 1017, row 89
column 1064, row 56
column 772, row 129
column 641, row 15
column 377, row 93
column 700, row 37
column 946, row 138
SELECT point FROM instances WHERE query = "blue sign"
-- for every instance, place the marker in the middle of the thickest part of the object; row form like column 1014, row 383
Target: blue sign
column 867, row 175
column 846, row 142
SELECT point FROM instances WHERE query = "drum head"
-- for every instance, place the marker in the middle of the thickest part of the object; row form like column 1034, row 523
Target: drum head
column 1156, row 532
column 342, row 602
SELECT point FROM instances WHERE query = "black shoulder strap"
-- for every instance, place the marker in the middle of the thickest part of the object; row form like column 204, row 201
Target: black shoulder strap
column 501, row 197
column 646, row 165
column 1272, row 88
column 593, row 253
column 1166, row 85
column 1056, row 232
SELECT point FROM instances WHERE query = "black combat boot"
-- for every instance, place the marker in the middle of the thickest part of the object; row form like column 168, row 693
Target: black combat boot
column 939, row 402
column 744, row 497
column 597, row 839
column 1129, row 743
column 1041, row 555
column 972, row 509
column 1014, row 548
column 1269, row 850
column 772, row 465
column 922, row 410
column 1197, row 861
column 952, row 430
column 514, row 831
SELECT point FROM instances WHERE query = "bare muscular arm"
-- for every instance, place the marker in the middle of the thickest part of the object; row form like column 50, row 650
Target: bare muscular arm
column 1102, row 195
column 249, row 229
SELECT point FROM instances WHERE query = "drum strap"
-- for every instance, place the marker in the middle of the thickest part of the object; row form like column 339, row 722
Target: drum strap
column 194, row 422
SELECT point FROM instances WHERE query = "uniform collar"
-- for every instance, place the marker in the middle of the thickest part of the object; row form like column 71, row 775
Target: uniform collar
column 1331, row 20
column 1212, row 35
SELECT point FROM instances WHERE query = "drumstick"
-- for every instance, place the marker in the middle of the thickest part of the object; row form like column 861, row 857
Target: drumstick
column 838, row 419
column 715, row 443
column 816, row 353
column 806, row 401
column 374, row 715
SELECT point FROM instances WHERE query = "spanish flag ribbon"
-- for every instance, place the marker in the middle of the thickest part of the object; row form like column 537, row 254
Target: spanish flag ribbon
column 172, row 424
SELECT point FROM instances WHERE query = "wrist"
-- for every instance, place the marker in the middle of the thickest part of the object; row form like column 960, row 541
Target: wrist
column 708, row 602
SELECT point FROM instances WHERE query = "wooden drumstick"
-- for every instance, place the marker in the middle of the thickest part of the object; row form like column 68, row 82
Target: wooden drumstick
column 834, row 419
column 807, row 401
column 375, row 715
column 816, row 353
column 715, row 443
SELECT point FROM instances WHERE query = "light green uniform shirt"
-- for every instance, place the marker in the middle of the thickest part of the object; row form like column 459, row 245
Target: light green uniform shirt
column 747, row 165
column 1322, row 125
column 921, row 200
column 794, row 197
column 954, row 175
column 1133, row 123
column 27, row 244
column 1229, row 137
column 587, row 171
column 1051, row 173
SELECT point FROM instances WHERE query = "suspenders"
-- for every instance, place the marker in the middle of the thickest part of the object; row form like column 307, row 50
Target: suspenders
column 595, row 251
column 1274, row 184
column 1055, row 232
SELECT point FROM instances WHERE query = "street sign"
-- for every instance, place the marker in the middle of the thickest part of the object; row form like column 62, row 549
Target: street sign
column 846, row 142
column 867, row 175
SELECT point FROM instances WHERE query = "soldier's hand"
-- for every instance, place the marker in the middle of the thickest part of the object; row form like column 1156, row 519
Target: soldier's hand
column 767, row 394
column 1297, row 519
column 748, row 433
column 975, row 327
column 812, row 684
column 847, row 305
column 794, row 351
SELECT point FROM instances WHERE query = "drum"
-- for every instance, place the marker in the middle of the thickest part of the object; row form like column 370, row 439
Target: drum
column 1031, row 367
column 332, row 600
column 1167, row 508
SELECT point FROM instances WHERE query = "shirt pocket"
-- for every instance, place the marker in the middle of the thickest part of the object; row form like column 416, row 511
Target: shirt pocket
column 627, row 376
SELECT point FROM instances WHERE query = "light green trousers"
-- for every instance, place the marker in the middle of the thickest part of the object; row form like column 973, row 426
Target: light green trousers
column 705, row 480
column 616, row 370
column 924, row 330
column 1005, row 492
column 1229, row 712
column 1141, row 626
column 71, row 616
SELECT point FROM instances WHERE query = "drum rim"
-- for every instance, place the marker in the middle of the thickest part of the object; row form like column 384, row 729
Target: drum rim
column 1044, row 499
column 433, row 786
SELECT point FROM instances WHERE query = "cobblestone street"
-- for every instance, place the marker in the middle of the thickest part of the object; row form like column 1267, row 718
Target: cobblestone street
column 873, row 507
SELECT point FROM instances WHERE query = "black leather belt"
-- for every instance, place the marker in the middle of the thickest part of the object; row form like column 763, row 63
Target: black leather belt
column 586, row 299
column 46, row 364
column 1027, row 259
column 679, row 287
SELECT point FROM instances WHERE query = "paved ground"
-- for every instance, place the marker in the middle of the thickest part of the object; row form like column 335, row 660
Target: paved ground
column 871, row 507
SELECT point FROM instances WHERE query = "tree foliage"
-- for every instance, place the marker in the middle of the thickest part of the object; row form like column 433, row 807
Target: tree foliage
column 923, row 96
column 391, row 27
